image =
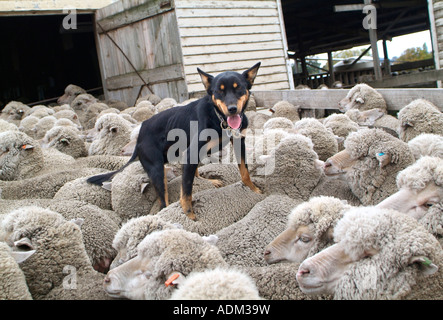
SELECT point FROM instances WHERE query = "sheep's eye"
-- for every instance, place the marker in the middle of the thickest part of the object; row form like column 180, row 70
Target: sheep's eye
column 428, row 204
column 305, row 239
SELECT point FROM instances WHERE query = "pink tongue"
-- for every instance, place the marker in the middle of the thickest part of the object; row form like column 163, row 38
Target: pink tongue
column 234, row 121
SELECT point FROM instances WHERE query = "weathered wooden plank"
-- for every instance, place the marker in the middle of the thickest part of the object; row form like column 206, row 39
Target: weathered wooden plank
column 230, row 30
column 409, row 79
column 152, row 76
column 396, row 99
column 227, row 57
column 232, row 48
column 192, row 22
column 225, row 11
column 263, row 77
column 238, row 4
column 228, row 39
column 130, row 13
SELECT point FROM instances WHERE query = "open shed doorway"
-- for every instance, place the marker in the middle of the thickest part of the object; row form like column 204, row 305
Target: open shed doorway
column 39, row 58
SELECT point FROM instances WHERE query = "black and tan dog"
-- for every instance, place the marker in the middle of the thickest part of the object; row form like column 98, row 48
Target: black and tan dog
column 221, row 110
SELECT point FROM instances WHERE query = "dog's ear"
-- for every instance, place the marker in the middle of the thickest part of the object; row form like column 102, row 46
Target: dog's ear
column 206, row 79
column 250, row 74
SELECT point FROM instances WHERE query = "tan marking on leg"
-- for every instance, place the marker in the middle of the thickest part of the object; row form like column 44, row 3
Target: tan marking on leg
column 245, row 178
column 186, row 204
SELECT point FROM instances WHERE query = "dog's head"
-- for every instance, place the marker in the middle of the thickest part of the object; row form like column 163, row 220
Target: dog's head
column 230, row 92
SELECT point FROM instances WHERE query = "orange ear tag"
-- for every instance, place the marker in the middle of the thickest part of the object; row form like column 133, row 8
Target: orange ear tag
column 171, row 279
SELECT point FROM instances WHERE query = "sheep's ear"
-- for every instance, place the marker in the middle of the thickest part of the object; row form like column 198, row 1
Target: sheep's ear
column 78, row 221
column 206, row 79
column 113, row 129
column 251, row 73
column 211, row 239
column 426, row 265
column 64, row 141
column 359, row 99
column 27, row 147
column 107, row 185
column 143, row 186
column 383, row 159
column 21, row 256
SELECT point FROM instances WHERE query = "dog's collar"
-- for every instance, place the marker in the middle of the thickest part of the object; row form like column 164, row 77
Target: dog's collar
column 224, row 125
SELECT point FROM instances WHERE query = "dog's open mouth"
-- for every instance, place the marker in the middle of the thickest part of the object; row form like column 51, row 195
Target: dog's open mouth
column 234, row 121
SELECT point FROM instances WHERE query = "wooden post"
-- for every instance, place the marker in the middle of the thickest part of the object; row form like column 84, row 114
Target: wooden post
column 331, row 70
column 373, row 38
column 386, row 61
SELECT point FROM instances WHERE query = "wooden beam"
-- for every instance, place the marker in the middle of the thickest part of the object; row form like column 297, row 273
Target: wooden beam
column 396, row 99
column 151, row 76
column 410, row 79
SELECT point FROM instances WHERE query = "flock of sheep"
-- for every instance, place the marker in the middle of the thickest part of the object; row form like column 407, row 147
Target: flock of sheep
column 351, row 206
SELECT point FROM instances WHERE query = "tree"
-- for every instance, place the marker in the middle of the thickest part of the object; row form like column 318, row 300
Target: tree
column 415, row 54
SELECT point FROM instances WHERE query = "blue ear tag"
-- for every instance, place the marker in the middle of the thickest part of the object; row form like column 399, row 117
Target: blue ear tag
column 381, row 154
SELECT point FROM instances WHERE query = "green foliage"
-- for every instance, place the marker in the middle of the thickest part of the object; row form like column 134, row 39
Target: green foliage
column 415, row 54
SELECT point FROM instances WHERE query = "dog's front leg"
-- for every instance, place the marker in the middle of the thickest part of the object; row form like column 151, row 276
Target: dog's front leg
column 240, row 149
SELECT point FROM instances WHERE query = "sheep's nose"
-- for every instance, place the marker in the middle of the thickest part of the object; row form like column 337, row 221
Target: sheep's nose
column 107, row 280
column 303, row 271
column 232, row 108
column 267, row 253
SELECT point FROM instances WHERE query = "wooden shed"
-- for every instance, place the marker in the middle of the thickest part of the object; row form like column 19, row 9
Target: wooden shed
column 156, row 45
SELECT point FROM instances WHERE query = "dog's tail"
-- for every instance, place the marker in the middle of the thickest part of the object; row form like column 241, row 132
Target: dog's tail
column 99, row 179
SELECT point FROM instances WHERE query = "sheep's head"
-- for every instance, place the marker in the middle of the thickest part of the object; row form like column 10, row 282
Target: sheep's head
column 14, row 110
column 362, row 97
column 374, row 247
column 160, row 255
column 71, row 92
column 310, row 227
column 420, row 190
column 57, row 243
column 420, row 116
column 20, row 156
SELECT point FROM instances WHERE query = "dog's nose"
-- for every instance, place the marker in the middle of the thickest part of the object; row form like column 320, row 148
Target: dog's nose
column 232, row 108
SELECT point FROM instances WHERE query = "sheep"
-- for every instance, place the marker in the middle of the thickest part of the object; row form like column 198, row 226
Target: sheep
column 370, row 162
column 14, row 111
column 21, row 156
column 12, row 280
column 71, row 92
column 287, row 110
column 98, row 226
column 109, row 163
column 325, row 143
column 374, row 117
column 39, row 111
column 362, row 97
column 27, row 125
column 80, row 105
column 7, row 126
column 60, row 267
column 278, row 123
column 252, row 104
column 378, row 254
column 419, row 116
column 113, row 134
column 243, row 243
column 79, row 189
column 217, row 284
column 153, row 98
column 309, row 230
column 117, row 104
column 43, row 125
column 341, row 126
column 214, row 208
column 426, row 144
column 160, row 255
column 165, row 104
column 68, row 114
column 91, row 114
column 256, row 120
column 293, row 168
column 420, row 194
column 132, row 232
column 66, row 140
column 143, row 111
column 278, row 282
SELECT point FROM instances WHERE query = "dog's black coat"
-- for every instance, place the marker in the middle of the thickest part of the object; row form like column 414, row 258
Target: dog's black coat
column 228, row 94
